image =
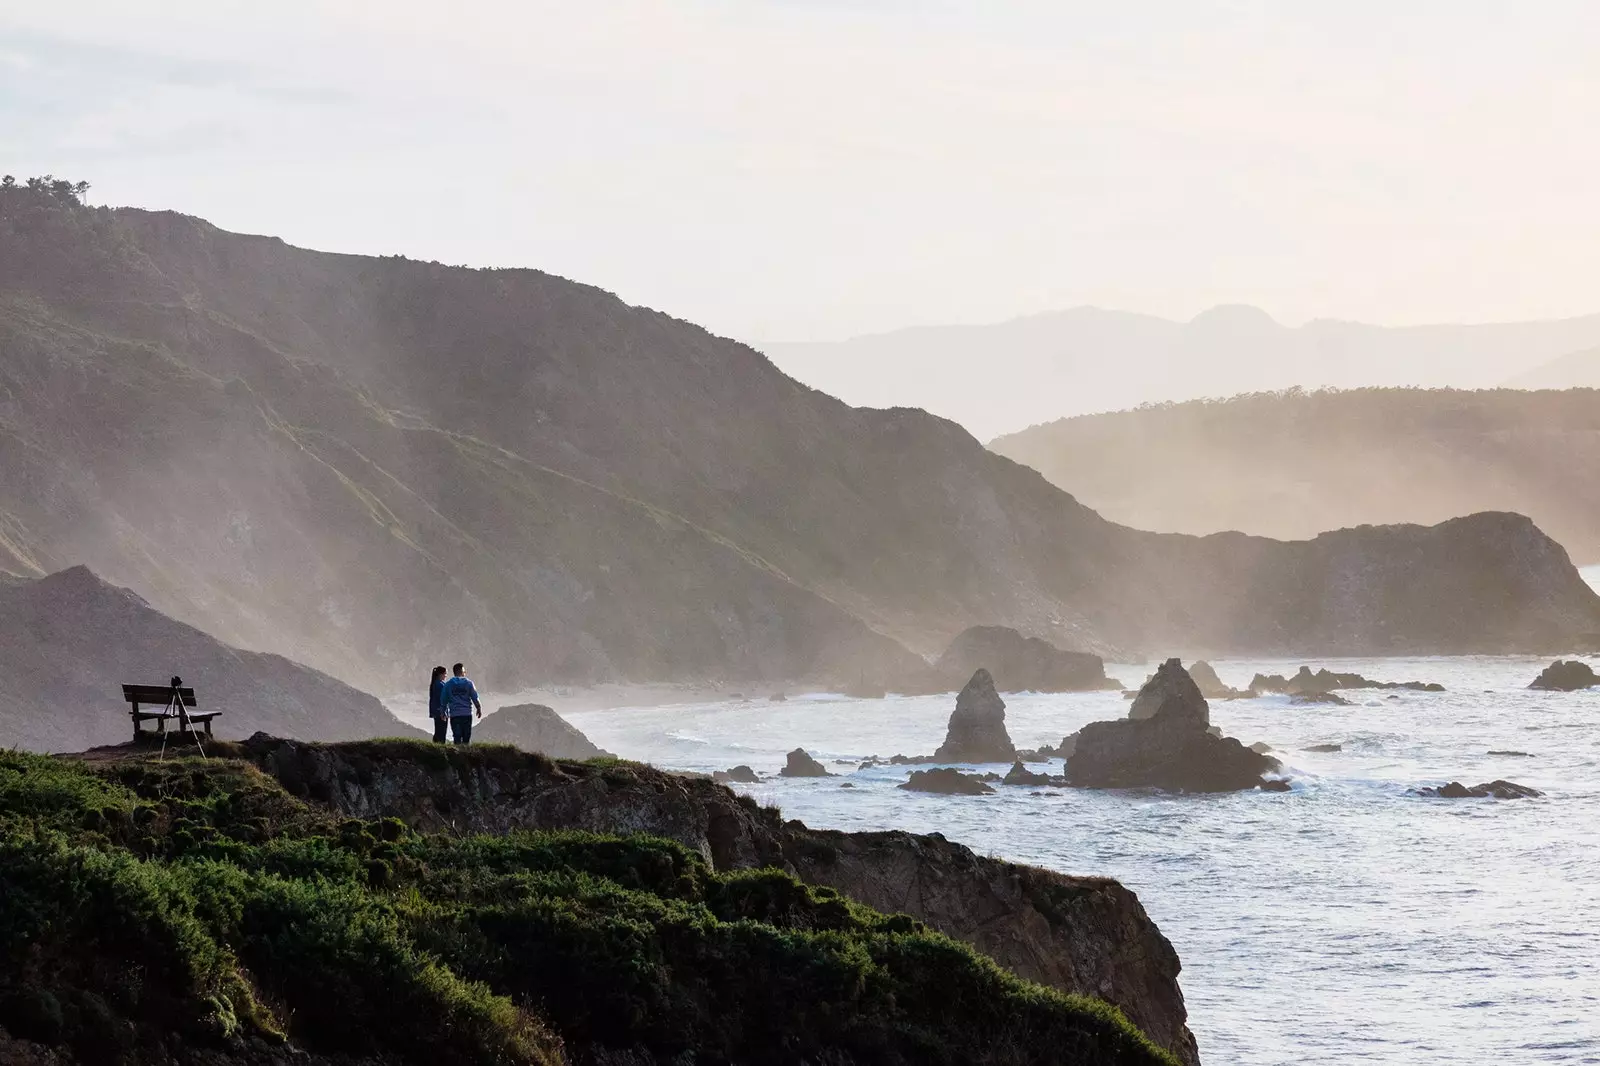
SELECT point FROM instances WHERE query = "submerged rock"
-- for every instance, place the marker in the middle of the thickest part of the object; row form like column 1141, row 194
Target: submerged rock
column 1497, row 789
column 535, row 727
column 1566, row 676
column 1514, row 754
column 1022, row 664
column 1319, row 697
column 1170, row 748
column 802, row 765
column 977, row 730
column 1326, row 747
column 740, row 775
column 947, row 781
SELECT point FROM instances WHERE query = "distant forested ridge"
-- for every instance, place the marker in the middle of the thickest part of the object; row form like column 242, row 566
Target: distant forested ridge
column 1289, row 464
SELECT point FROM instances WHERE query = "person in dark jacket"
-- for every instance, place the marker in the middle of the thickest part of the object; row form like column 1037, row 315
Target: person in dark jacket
column 436, row 707
column 460, row 697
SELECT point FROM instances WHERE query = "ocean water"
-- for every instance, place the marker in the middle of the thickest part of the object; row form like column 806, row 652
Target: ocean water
column 1344, row 921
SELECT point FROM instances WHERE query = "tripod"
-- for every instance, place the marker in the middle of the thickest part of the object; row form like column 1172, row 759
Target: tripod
column 177, row 708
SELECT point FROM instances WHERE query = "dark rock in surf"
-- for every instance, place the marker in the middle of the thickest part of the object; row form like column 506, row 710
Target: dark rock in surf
column 1566, row 676
column 1325, row 680
column 1274, row 784
column 1490, row 789
column 1513, row 754
column 802, row 765
column 1170, row 748
column 977, row 731
column 946, row 781
column 1021, row 775
column 739, row 775
column 1304, row 698
column 1326, row 747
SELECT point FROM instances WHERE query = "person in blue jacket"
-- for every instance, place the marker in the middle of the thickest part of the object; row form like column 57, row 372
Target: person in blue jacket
column 436, row 708
column 460, row 698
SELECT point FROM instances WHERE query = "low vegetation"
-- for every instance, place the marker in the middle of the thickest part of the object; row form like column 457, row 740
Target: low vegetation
column 149, row 908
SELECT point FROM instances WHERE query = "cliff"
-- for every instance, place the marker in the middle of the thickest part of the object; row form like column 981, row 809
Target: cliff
column 193, row 912
column 360, row 461
column 1294, row 464
column 69, row 641
column 1085, row 935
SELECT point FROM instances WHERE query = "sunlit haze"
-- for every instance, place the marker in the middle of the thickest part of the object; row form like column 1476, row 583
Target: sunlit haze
column 813, row 170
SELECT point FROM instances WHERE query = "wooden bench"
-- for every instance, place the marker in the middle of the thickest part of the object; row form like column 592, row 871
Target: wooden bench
column 163, row 706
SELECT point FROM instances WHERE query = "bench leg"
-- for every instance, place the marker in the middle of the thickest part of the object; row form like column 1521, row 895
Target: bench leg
column 208, row 726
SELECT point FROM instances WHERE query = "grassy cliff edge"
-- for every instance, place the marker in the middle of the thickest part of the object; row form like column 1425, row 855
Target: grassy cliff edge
column 152, row 910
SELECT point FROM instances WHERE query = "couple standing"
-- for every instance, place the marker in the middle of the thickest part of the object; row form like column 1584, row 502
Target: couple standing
column 452, row 700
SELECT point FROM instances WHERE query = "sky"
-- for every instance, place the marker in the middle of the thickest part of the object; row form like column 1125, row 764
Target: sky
column 816, row 169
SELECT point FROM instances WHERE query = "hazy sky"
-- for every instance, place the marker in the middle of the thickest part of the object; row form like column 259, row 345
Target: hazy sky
column 796, row 169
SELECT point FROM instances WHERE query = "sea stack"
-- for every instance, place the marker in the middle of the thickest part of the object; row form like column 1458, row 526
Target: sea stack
column 1566, row 676
column 977, row 730
column 801, row 764
column 1165, row 742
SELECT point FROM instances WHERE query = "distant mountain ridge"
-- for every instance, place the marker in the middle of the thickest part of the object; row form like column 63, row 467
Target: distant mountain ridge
column 1575, row 370
column 374, row 465
column 998, row 379
column 1288, row 465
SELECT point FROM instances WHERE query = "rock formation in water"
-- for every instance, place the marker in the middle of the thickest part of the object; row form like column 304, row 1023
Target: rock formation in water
column 800, row 764
column 1021, row 775
column 1316, row 696
column 1307, row 682
column 1021, row 664
column 1495, row 789
column 1086, row 935
column 946, row 781
column 1168, row 746
column 534, row 727
column 737, row 775
column 638, row 500
column 1567, row 675
column 1211, row 686
column 977, row 731
column 68, row 642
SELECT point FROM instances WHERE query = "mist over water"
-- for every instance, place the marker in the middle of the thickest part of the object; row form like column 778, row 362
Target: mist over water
column 1345, row 921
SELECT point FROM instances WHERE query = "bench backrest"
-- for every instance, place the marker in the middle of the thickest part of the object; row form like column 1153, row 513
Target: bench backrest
column 156, row 694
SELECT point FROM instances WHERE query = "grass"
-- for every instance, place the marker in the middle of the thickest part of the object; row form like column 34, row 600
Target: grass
column 146, row 904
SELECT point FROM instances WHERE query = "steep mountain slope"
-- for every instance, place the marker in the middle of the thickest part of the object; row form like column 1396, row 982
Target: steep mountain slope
column 376, row 464
column 1001, row 378
column 1291, row 464
column 68, row 642
column 1580, row 370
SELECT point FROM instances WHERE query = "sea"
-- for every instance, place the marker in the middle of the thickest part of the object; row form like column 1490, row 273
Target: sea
column 1348, row 920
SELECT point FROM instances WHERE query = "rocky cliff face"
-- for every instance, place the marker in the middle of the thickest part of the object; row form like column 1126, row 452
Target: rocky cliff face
column 1081, row 934
column 68, row 642
column 602, row 492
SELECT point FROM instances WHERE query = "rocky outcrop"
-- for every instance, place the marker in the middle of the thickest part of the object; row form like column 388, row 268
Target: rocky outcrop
column 1172, row 691
column 534, row 727
column 1086, row 935
column 1021, row 664
column 1326, row 747
column 800, row 764
column 1566, row 676
column 737, row 775
column 69, row 641
column 1319, row 697
column 1168, row 746
column 977, row 731
column 1021, row 775
column 1489, row 789
column 1210, row 685
column 946, row 781
column 1324, row 680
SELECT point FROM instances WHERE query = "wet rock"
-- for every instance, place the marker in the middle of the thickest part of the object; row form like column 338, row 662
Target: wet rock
column 1170, row 748
column 846, row 784
column 947, row 781
column 741, row 775
column 1325, row 680
column 1496, row 789
column 1566, row 676
column 1022, row 664
column 1021, row 775
column 1514, row 754
column 1261, row 747
column 1304, row 698
column 1274, row 784
column 1326, row 747
column 800, row 764
column 977, row 730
